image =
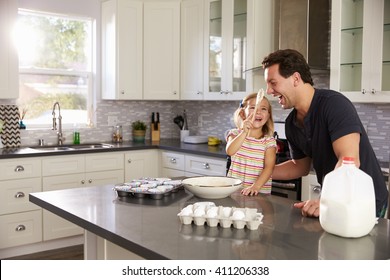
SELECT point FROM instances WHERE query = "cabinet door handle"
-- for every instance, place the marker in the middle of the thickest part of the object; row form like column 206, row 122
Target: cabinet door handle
column 199, row 92
column 122, row 92
column 83, row 182
column 20, row 228
column 175, row 92
column 19, row 194
column 206, row 165
column 363, row 91
column 316, row 189
column 373, row 91
column 173, row 160
column 129, row 160
column 90, row 181
column 19, row 168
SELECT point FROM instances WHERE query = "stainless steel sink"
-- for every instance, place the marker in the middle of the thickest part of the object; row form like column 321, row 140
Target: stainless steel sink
column 73, row 147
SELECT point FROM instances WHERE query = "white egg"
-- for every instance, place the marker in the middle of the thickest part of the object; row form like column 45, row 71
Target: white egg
column 238, row 215
column 212, row 212
column 199, row 212
column 186, row 211
column 226, row 211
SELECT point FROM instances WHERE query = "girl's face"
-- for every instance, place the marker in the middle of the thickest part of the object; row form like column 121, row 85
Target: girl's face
column 261, row 116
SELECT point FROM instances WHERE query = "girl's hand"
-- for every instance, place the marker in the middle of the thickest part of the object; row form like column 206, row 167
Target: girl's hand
column 247, row 123
column 250, row 191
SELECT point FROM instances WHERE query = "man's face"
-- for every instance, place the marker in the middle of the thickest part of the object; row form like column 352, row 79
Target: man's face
column 279, row 86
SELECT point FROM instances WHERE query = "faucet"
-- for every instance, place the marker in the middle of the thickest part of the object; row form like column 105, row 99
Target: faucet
column 61, row 139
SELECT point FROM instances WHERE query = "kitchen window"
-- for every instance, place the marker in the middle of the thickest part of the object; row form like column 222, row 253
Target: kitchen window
column 55, row 53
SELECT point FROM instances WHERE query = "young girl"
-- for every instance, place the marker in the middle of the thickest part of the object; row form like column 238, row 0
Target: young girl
column 252, row 146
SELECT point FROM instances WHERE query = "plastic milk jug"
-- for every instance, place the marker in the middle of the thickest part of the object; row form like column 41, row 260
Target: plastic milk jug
column 347, row 203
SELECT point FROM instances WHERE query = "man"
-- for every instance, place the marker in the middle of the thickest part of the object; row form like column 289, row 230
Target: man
column 322, row 128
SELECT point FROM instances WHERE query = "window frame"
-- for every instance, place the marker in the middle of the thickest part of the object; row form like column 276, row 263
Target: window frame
column 89, row 75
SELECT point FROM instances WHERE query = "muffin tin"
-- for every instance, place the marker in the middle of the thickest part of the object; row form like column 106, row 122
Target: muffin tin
column 207, row 212
column 155, row 188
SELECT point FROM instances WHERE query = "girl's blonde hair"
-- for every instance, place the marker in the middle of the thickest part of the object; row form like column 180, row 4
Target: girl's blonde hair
column 267, row 129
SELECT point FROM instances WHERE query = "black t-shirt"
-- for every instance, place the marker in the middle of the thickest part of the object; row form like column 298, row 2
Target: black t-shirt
column 331, row 115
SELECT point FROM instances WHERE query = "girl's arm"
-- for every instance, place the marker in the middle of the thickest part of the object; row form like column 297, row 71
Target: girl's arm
column 234, row 142
column 269, row 164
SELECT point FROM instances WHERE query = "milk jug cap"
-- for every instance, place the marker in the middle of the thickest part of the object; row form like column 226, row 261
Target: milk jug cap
column 348, row 160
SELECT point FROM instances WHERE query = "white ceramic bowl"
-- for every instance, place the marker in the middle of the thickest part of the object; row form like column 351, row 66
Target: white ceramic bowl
column 212, row 187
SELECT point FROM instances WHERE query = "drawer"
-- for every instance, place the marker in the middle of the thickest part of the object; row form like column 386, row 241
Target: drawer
column 20, row 229
column 311, row 189
column 20, row 168
column 205, row 166
column 173, row 160
column 62, row 165
column 14, row 195
column 104, row 161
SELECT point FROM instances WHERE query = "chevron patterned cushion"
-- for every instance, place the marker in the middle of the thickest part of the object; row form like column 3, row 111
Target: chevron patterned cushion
column 10, row 136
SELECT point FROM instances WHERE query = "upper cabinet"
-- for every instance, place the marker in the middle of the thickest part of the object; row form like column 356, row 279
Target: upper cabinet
column 140, row 47
column 360, row 49
column 122, row 49
column 227, row 43
column 162, row 50
column 237, row 36
column 191, row 47
column 8, row 54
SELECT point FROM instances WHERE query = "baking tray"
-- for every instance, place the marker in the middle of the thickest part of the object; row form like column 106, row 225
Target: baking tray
column 154, row 188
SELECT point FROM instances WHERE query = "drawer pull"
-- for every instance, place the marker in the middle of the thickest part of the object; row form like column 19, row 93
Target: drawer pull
column 206, row 166
column 173, row 160
column 317, row 189
column 19, row 194
column 19, row 168
column 90, row 180
column 20, row 228
column 83, row 182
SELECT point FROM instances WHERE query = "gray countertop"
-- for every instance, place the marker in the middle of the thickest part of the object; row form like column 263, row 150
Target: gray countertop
column 165, row 144
column 152, row 229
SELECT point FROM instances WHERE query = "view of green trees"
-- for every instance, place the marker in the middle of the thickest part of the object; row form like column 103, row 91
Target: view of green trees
column 52, row 44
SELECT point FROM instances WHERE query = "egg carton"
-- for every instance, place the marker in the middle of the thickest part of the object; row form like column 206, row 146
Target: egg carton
column 155, row 188
column 207, row 212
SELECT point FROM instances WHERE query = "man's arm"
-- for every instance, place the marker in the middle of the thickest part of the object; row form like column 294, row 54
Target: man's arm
column 347, row 146
column 292, row 169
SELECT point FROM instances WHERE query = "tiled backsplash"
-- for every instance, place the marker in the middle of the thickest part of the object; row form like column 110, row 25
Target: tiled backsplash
column 215, row 118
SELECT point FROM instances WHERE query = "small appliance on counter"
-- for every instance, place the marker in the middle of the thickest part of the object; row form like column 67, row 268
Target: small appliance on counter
column 196, row 139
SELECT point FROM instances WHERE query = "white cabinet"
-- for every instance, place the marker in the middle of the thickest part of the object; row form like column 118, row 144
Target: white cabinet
column 64, row 172
column 20, row 220
column 229, row 38
column 172, row 164
column 202, row 165
column 162, row 50
column 191, row 47
column 177, row 164
column 8, row 55
column 122, row 36
column 360, row 49
column 144, row 163
column 311, row 189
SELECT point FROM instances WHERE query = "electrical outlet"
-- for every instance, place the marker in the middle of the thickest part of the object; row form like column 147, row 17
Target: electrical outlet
column 112, row 120
column 200, row 121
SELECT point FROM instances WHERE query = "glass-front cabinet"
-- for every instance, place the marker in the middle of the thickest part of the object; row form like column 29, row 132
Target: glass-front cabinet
column 227, row 47
column 360, row 49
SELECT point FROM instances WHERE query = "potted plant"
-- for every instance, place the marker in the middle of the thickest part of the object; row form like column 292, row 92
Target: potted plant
column 139, row 131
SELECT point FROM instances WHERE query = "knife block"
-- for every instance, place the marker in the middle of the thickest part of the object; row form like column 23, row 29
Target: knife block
column 155, row 133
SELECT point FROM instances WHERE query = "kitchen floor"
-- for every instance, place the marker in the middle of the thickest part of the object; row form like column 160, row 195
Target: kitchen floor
column 69, row 253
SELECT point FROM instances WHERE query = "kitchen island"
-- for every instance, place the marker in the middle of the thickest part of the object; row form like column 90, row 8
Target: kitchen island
column 151, row 229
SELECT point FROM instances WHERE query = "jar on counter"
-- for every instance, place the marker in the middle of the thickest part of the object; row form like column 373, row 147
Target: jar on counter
column 117, row 136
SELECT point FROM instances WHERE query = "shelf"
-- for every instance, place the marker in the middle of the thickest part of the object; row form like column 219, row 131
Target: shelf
column 351, row 64
column 354, row 30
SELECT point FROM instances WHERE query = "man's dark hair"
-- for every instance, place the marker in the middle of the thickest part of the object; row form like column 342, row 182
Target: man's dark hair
column 290, row 61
